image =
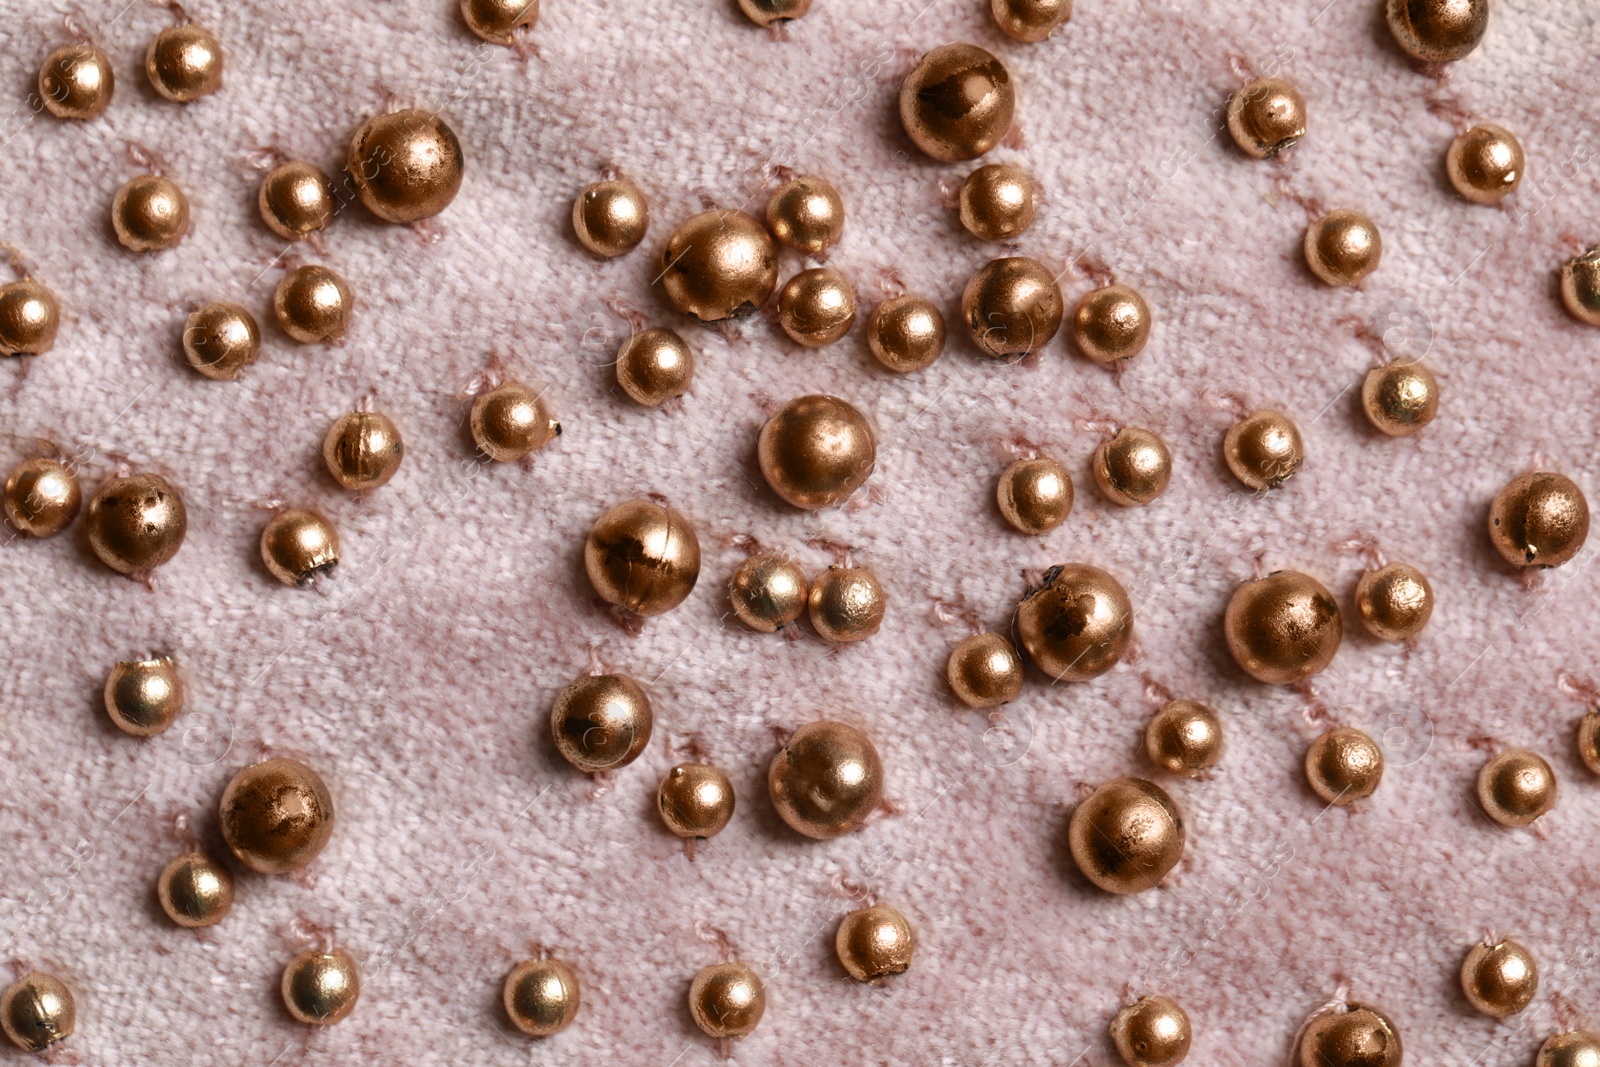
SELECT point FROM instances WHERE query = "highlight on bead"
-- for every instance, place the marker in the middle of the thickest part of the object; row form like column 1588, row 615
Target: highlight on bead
column 37, row 1010
column 1030, row 21
column 727, row 999
column 1077, row 624
column 1263, row 450
column 1152, row 1032
column 654, row 366
column 1283, row 628
column 1400, row 398
column 768, row 592
column 1184, row 737
column 1126, row 835
column 299, row 546
column 541, row 997
column 1539, row 520
column 1485, row 163
column 42, row 497
column 816, row 451
column 1437, row 31
column 1012, row 307
column 1499, row 977
column 220, row 340
column 184, row 63
column 1395, row 601
column 321, row 988
column 1266, row 117
column 511, row 421
column 846, row 604
column 874, row 943
column 985, row 671
column 1035, row 495
column 997, row 202
column 1580, row 286
column 144, row 697
column 296, row 199
column 1516, row 787
column 407, row 165
column 313, row 304
column 497, row 21
column 695, row 800
column 150, row 214
column 1133, row 467
column 816, row 307
column 643, row 557
column 77, row 81
column 363, row 450
column 957, row 102
column 276, row 816
column 30, row 318
column 136, row 523
column 906, row 333
column 1111, row 324
column 195, row 890
column 806, row 214
column 1343, row 766
column 601, row 722
column 1343, row 247
column 1350, row 1035
column 719, row 265
column 611, row 217
column 826, row 779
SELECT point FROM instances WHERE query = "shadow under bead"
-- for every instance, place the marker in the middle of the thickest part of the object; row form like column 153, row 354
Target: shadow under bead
column 195, row 890
column 1400, row 398
column 1133, row 468
column 1361, row 1036
column 1437, row 31
column 1575, row 1048
column 611, row 217
column 220, row 340
column 136, row 523
column 296, row 200
column 1078, row 624
column 30, row 317
column 144, row 697
column 541, row 997
column 806, row 214
column 1126, row 835
column 150, row 214
column 1516, row 787
column 37, row 1010
column 771, row 12
column 299, row 545
column 497, row 21
column 77, row 82
column 816, row 307
column 1184, row 737
column 643, row 557
column 1266, row 117
column 1485, row 163
column 875, row 943
column 1499, row 978
column 846, row 604
column 1111, row 324
column 1283, row 627
column 1539, row 520
column 313, row 304
column 727, row 1000
column 363, row 450
column 1263, row 450
column 957, row 102
column 1030, row 21
column 654, row 365
column 695, row 800
column 1012, row 307
column 1344, row 766
column 407, row 166
column 985, row 671
column 1035, row 495
column 826, row 780
column 816, row 451
column 996, row 202
column 184, row 63
column 276, row 816
column 321, row 988
column 1395, row 601
column 906, row 333
column 1343, row 247
column 719, row 265
column 42, row 497
column 1580, row 287
column 510, row 421
column 1152, row 1032
column 601, row 722
column 768, row 592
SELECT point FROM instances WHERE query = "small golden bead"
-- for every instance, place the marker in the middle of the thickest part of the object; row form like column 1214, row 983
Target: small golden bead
column 1438, row 31
column 1263, row 450
column 1516, row 787
column 510, row 421
column 30, row 316
column 1589, row 744
column 136, row 523
column 957, row 102
column 816, row 307
column 150, row 214
column 184, row 63
column 1266, row 117
column 1359, row 1037
column 1153, row 1032
column 1400, row 398
column 826, row 780
column 997, row 202
column 611, row 217
column 1283, row 627
column 220, row 340
column 313, row 304
column 816, row 451
column 1344, row 766
column 1077, row 625
column 37, row 1010
column 727, row 999
column 195, row 890
column 1485, row 163
column 1030, row 21
column 768, row 592
column 1111, row 324
column 541, row 997
column 1499, row 979
column 719, row 265
column 874, row 943
column 1133, row 468
column 363, row 450
column 77, row 82
column 1126, row 835
column 1395, row 601
column 1012, row 307
column 601, row 722
column 769, row 12
column 144, row 697
column 846, row 604
column 42, row 497
column 643, row 557
column 1184, row 737
column 654, row 365
column 695, row 800
column 806, row 214
column 296, row 200
column 1035, row 495
column 985, row 671
column 906, row 333
column 1580, row 286
column 320, row 988
column 1575, row 1048
column 276, row 816
column 1539, row 520
column 497, row 21
column 1343, row 247
column 406, row 166
column 299, row 545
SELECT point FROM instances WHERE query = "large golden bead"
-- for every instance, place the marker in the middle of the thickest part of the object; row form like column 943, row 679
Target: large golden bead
column 957, row 102
column 816, row 451
column 1485, row 163
column 806, row 214
column 826, row 780
column 220, row 340
column 1030, row 21
column 150, row 214
column 768, row 592
column 1575, row 1048
column 874, row 943
column 320, row 988
column 906, row 333
column 1263, row 449
column 1184, row 737
column 1077, row 625
column 1580, row 286
column 1516, row 787
column 695, row 800
column 497, row 21
column 299, row 545
column 719, row 265
column 1012, row 307
column 1499, row 978
column 1111, row 324
column 184, row 63
column 727, row 1000
column 816, row 307
column 510, row 421
column 1152, row 1032
column 1126, row 835
column 1344, row 766
column 1283, row 627
column 1400, row 398
column 1035, row 495
column 313, row 303
column 77, row 82
column 1266, row 117
column 1395, row 601
column 541, row 997
column 1359, row 1037
column 42, row 497
column 145, row 696
column 846, row 604
column 1343, row 247
column 195, row 890
column 984, row 671
column 407, row 166
column 276, row 816
column 1133, row 468
column 296, row 200
column 37, row 1010
column 1437, row 31
column 643, row 557
column 30, row 316
column 601, row 722
column 363, row 450
column 1539, row 520
column 136, row 523
column 611, row 217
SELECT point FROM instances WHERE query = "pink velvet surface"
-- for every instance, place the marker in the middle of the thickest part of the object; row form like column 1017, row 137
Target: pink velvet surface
column 418, row 680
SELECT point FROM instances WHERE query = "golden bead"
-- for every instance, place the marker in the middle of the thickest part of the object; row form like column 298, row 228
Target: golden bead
column 1266, row 117
column 1400, row 398
column 1035, row 495
column 874, row 943
column 1516, row 787
column 1485, row 163
column 276, row 816
column 601, row 722
column 37, row 1010
column 1438, row 31
column 30, row 315
column 1575, row 1048
column 1153, row 1032
column 77, row 82
column 846, row 604
column 643, row 557
column 816, row 307
column 497, row 21
column 150, row 214
column 1589, row 744
column 136, row 523
column 1344, row 766
column 1078, row 624
column 654, row 365
column 1283, row 627
column 1030, row 20
column 997, row 202
column 1359, row 1037
column 1395, row 601
column 1580, row 286
column 321, row 988
column 1133, row 468
column 906, row 333
column 611, row 217
column 806, row 214
column 985, row 671
column 1126, row 835
column 768, row 592
column 1184, row 737
column 816, row 451
column 1012, row 307
column 144, row 696
column 184, row 63
column 826, row 780
column 1263, row 450
column 296, row 200
column 768, row 12
column 541, row 997
column 957, row 102
column 719, row 265
column 1499, row 979
column 220, row 340
column 42, row 497
column 1343, row 247
column 1539, row 520
column 695, row 800
column 363, row 450
column 195, row 890
column 727, row 999
column 299, row 545
column 406, row 166
column 313, row 304
column 510, row 421
column 1111, row 324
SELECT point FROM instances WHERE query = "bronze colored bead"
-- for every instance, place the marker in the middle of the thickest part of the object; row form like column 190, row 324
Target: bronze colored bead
column 1589, row 744
column 296, row 200
column 771, row 12
column 601, row 722
column 816, row 307
column 1539, row 520
column 363, row 450
column 1395, row 601
column 1438, row 31
column 1499, row 978
column 184, row 63
column 313, row 304
column 806, row 214
column 30, row 316
column 874, row 943
column 195, row 890
column 42, row 497
column 1361, row 1036
column 1153, row 1032
column 1575, row 1048
column 1263, row 450
column 1077, row 625
column 957, row 102
column 1400, row 398
column 1133, row 468
column 276, row 816
column 299, row 545
column 1126, row 835
column 510, row 421
column 541, row 997
column 144, row 697
column 1485, row 163
column 37, row 1010
column 406, row 166
column 985, row 671
column 826, row 780
column 1184, row 737
column 1030, row 21
column 77, row 82
column 1343, row 247
column 1266, row 117
column 695, row 800
column 1580, row 286
column 846, row 604
column 1516, row 787
column 643, row 557
column 1012, row 307
column 220, row 340
column 1344, row 766
column 997, row 202
column 320, row 988
column 150, row 214
column 1035, row 495
column 906, row 333
column 497, row 21
column 719, row 265
column 137, row 523
column 727, row 999
column 611, row 217
column 654, row 365
column 1111, row 324
column 816, row 451
column 1283, row 627
column 768, row 592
